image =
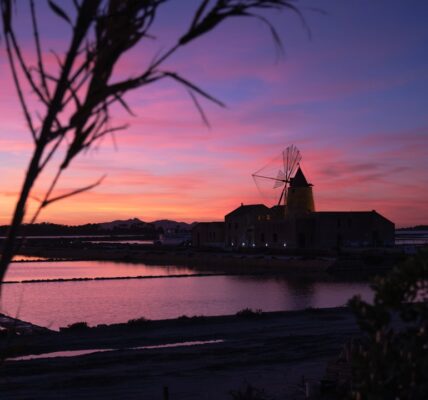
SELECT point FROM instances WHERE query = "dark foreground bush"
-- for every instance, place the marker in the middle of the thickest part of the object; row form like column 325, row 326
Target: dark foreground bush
column 249, row 312
column 138, row 322
column 193, row 318
column 77, row 326
column 249, row 393
column 391, row 361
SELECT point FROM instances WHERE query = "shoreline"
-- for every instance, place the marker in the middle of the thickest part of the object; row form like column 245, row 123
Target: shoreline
column 365, row 263
column 269, row 350
column 269, row 274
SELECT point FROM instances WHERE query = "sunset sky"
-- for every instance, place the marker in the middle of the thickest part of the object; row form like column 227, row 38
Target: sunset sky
column 352, row 97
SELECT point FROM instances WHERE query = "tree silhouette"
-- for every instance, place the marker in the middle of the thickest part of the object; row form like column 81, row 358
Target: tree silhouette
column 78, row 96
column 391, row 360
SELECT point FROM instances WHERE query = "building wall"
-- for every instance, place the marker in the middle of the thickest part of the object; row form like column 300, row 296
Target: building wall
column 352, row 229
column 300, row 201
column 279, row 233
column 208, row 234
column 241, row 223
column 318, row 230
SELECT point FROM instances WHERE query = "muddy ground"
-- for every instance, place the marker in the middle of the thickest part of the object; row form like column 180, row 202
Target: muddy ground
column 270, row 351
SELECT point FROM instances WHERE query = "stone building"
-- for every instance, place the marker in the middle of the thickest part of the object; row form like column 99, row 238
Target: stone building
column 296, row 225
column 208, row 234
column 240, row 224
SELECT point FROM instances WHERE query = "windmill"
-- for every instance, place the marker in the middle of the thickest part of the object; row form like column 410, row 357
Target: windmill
column 277, row 174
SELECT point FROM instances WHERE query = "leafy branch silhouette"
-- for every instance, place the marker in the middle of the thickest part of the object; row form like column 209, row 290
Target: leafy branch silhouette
column 77, row 96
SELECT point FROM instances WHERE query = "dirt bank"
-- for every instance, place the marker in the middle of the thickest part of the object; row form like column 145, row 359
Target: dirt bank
column 271, row 351
column 221, row 262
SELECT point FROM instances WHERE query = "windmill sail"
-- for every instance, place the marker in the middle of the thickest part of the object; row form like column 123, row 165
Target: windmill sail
column 274, row 178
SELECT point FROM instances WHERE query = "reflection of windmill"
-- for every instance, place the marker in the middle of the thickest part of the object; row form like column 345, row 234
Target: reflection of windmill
column 279, row 172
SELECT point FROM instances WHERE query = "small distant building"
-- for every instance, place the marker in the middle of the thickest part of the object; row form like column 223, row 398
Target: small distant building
column 208, row 234
column 295, row 225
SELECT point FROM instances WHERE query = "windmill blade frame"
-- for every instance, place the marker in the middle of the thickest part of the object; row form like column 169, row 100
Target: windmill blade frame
column 292, row 158
column 279, row 170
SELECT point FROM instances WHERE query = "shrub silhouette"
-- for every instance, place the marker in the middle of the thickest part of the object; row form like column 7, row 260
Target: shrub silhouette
column 391, row 361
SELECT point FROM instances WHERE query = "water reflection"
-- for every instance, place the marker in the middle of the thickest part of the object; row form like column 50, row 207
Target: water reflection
column 298, row 293
column 74, row 353
column 97, row 302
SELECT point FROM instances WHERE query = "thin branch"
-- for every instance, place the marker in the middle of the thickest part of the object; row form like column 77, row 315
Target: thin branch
column 57, row 58
column 84, row 66
column 164, row 57
column 199, row 13
column 74, row 96
column 105, row 132
column 124, row 104
column 144, row 78
column 19, row 91
column 52, row 151
column 74, row 90
column 39, row 51
column 199, row 108
column 59, row 11
column 25, row 69
column 276, row 39
column 193, row 87
column 74, row 192
column 76, row 5
column 47, row 194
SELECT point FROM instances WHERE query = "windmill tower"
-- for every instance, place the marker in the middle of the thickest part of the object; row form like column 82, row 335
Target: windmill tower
column 283, row 176
column 300, row 196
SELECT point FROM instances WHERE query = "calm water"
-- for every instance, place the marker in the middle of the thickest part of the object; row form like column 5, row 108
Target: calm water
column 55, row 304
column 73, row 353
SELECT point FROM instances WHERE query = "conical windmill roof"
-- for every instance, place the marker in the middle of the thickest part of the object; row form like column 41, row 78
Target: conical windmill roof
column 299, row 180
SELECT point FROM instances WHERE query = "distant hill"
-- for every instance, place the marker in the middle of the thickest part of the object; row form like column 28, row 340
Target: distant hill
column 127, row 227
column 133, row 223
column 132, row 226
column 167, row 225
